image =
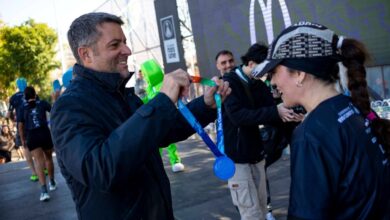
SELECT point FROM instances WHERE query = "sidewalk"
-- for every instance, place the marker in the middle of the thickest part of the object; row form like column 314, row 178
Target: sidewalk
column 197, row 194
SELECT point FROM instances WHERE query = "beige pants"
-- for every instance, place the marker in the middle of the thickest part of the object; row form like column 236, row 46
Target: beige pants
column 248, row 190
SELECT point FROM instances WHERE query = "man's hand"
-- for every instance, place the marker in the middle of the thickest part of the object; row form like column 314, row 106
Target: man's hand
column 287, row 114
column 176, row 84
column 222, row 88
column 299, row 117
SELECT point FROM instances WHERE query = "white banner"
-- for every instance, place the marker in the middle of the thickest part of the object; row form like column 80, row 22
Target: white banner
column 169, row 38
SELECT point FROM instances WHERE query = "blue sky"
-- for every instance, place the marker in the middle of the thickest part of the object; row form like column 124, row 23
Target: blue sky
column 57, row 13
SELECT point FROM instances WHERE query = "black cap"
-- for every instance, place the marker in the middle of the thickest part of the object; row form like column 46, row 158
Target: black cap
column 298, row 44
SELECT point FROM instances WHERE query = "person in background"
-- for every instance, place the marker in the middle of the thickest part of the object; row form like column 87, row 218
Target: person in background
column 57, row 90
column 16, row 103
column 107, row 152
column 224, row 61
column 340, row 167
column 174, row 159
column 12, row 130
column 35, row 134
column 6, row 144
column 140, row 86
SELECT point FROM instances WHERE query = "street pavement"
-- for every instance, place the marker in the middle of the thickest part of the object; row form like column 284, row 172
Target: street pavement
column 196, row 193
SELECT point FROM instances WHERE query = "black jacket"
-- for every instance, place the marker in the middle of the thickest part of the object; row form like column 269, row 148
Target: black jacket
column 241, row 118
column 338, row 169
column 108, row 156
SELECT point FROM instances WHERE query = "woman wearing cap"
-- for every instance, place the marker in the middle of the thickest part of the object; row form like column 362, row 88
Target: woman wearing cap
column 340, row 167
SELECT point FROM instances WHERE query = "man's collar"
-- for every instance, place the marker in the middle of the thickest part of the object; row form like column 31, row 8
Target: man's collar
column 111, row 81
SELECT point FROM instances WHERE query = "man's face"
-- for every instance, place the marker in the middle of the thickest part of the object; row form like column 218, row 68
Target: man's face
column 225, row 63
column 110, row 52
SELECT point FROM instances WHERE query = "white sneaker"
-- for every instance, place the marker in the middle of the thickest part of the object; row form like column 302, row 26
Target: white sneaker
column 177, row 167
column 44, row 197
column 52, row 187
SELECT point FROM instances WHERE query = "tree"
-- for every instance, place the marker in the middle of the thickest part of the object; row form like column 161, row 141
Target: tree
column 27, row 51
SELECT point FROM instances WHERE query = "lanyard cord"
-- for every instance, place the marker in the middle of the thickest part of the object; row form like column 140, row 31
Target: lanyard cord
column 224, row 167
column 217, row 151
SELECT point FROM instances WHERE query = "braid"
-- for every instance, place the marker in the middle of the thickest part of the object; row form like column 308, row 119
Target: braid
column 354, row 56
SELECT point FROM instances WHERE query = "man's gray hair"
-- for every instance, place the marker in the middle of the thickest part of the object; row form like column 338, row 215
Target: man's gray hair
column 83, row 31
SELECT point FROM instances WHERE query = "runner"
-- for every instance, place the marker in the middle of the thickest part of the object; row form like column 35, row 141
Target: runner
column 32, row 120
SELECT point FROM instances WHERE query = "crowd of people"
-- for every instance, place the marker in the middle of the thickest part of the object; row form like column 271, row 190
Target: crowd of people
column 111, row 160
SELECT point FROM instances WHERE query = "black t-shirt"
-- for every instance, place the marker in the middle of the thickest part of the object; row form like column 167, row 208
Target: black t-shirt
column 33, row 114
column 338, row 170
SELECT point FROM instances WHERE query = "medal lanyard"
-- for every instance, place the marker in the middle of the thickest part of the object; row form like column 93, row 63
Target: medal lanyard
column 223, row 167
column 216, row 149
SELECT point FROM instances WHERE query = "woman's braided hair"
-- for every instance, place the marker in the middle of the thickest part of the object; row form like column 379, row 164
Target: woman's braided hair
column 354, row 55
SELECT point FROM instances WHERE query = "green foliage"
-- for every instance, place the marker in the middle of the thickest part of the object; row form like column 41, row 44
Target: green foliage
column 27, row 51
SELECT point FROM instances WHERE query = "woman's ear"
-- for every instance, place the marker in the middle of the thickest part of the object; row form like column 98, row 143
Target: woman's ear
column 301, row 76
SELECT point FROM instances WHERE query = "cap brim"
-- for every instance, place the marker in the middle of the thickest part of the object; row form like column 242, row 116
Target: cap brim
column 261, row 69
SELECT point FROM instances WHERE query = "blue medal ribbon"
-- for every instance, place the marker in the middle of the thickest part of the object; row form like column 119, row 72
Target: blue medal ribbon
column 223, row 167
